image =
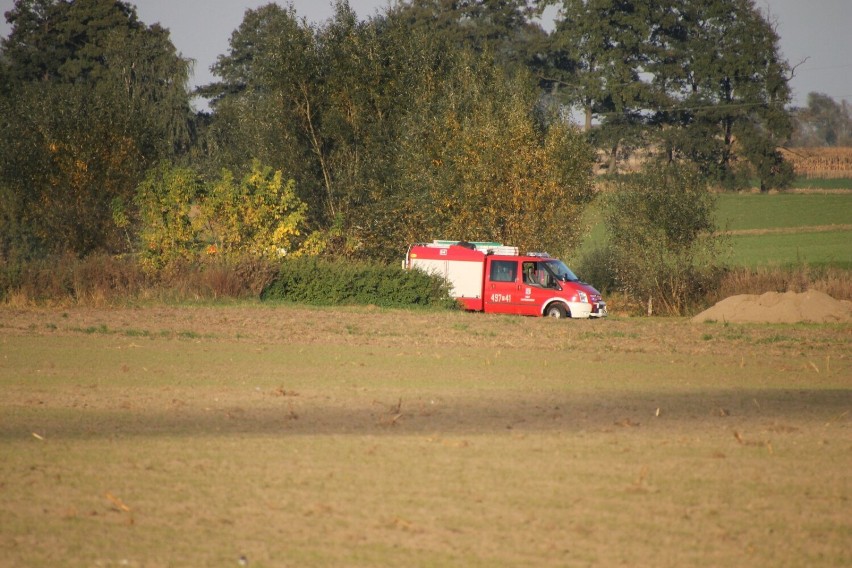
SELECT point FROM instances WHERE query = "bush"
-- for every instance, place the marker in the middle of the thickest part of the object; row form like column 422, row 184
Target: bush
column 596, row 266
column 322, row 282
column 663, row 249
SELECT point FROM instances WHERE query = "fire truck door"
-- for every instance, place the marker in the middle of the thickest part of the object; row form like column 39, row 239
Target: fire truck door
column 532, row 293
column 502, row 287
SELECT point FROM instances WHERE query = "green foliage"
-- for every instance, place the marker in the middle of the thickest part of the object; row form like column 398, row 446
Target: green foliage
column 91, row 98
column 394, row 134
column 474, row 163
column 315, row 281
column 65, row 155
column 662, row 241
column 727, row 85
column 169, row 225
column 503, row 30
column 595, row 57
column 704, row 81
column 596, row 266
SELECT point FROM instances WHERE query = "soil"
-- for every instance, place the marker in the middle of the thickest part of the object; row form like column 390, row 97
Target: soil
column 774, row 307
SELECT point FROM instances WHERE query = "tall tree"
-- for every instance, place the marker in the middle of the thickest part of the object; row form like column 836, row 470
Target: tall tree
column 720, row 66
column 93, row 98
column 703, row 79
column 265, row 103
column 358, row 113
column 503, row 28
column 597, row 51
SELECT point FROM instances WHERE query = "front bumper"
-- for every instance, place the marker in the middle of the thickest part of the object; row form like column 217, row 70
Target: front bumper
column 598, row 310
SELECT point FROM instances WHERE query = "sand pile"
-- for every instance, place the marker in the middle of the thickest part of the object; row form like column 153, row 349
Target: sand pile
column 775, row 307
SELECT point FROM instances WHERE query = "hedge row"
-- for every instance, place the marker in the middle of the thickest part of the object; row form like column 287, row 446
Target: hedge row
column 323, row 282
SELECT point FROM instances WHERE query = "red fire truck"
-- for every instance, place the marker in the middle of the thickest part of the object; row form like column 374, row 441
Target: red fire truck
column 494, row 278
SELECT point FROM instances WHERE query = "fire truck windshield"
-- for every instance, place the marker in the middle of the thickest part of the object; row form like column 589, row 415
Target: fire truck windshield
column 562, row 272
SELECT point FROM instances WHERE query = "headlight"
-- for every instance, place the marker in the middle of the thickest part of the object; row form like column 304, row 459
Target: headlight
column 583, row 297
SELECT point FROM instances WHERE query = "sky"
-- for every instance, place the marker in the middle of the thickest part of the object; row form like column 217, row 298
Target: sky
column 815, row 36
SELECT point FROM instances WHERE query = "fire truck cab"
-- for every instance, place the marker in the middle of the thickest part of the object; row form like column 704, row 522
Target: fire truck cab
column 493, row 278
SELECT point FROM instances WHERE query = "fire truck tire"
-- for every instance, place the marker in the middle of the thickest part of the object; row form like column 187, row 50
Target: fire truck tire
column 556, row 310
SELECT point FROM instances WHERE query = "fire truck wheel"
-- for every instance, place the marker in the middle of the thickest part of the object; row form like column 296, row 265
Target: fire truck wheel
column 556, row 311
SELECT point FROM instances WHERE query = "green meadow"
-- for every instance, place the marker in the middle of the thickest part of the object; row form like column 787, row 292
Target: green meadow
column 782, row 229
column 788, row 229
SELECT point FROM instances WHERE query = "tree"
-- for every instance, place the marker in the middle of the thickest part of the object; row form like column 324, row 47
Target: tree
column 596, row 63
column 268, row 103
column 363, row 111
column 596, row 54
column 259, row 216
column 169, row 231
column 94, row 97
column 663, row 246
column 477, row 164
column 720, row 66
column 501, row 28
column 704, row 81
column 824, row 122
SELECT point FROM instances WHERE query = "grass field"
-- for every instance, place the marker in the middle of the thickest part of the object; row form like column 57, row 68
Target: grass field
column 284, row 436
column 746, row 211
column 822, row 183
column 775, row 229
column 788, row 229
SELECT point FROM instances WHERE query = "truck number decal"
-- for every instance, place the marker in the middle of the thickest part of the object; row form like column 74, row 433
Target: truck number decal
column 498, row 298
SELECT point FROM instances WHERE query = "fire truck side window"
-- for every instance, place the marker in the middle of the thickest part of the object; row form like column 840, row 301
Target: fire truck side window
column 530, row 273
column 536, row 274
column 503, row 271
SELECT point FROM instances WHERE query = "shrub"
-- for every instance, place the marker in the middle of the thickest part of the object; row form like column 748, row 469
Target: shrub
column 596, row 266
column 663, row 249
column 323, row 282
column 213, row 278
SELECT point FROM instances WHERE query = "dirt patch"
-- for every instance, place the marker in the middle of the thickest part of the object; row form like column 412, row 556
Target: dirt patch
column 775, row 307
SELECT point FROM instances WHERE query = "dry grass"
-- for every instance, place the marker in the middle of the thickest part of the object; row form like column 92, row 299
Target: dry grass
column 363, row 437
column 827, row 163
column 835, row 282
column 103, row 280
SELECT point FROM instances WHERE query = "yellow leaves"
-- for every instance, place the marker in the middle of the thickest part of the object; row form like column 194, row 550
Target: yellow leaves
column 500, row 178
column 260, row 215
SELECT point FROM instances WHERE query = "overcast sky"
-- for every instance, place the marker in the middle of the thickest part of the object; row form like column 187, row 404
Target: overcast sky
column 815, row 34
